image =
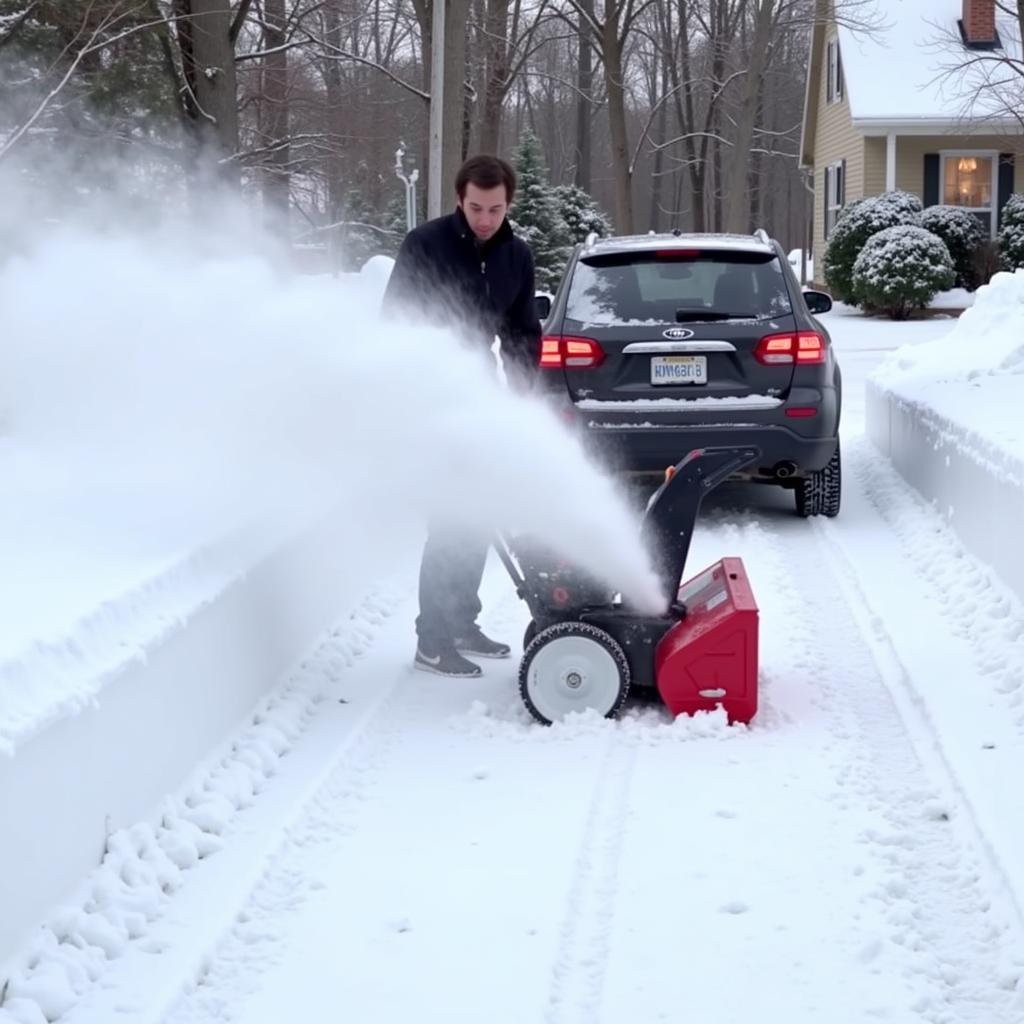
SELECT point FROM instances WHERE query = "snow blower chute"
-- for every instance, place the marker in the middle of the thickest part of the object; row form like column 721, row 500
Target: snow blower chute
column 585, row 647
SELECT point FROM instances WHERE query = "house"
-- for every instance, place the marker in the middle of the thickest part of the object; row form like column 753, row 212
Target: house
column 886, row 110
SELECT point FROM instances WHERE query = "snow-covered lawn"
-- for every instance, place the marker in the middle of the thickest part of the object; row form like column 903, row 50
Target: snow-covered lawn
column 374, row 844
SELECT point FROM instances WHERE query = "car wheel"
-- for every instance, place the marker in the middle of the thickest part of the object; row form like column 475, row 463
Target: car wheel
column 819, row 493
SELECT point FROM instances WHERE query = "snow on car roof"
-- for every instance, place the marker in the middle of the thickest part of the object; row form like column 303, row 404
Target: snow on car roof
column 645, row 243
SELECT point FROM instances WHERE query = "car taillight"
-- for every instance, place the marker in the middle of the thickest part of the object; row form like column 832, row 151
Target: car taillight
column 786, row 349
column 558, row 352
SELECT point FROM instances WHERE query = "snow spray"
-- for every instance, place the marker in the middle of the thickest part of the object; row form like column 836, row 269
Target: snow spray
column 234, row 388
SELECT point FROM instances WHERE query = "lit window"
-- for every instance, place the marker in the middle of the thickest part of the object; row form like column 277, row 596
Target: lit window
column 967, row 181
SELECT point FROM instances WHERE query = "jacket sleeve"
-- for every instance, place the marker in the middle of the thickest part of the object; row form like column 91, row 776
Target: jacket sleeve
column 520, row 341
column 407, row 276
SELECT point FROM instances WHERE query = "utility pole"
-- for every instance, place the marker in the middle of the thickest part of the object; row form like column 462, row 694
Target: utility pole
column 435, row 166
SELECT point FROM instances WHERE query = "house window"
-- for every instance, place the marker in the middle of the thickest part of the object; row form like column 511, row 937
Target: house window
column 835, row 194
column 969, row 180
column 834, row 74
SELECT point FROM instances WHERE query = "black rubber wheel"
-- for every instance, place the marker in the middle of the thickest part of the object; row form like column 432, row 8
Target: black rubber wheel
column 531, row 632
column 573, row 666
column 819, row 493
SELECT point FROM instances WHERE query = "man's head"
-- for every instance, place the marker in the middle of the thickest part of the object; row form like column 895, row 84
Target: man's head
column 485, row 186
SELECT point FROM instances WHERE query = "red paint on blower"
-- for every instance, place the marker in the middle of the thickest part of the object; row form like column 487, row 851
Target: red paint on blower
column 710, row 658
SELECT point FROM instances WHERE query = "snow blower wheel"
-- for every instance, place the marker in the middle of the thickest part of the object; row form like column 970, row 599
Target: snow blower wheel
column 573, row 666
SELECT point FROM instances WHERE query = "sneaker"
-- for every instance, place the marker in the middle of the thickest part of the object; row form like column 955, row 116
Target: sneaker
column 482, row 646
column 444, row 661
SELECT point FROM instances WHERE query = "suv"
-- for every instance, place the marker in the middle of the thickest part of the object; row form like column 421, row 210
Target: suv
column 659, row 344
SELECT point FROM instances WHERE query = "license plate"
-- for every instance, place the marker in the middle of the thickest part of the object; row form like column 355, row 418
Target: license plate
column 679, row 370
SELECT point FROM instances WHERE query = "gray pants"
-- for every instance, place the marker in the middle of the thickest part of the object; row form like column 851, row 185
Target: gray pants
column 450, row 575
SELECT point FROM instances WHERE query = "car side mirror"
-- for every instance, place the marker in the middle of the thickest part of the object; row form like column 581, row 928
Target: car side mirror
column 542, row 302
column 818, row 302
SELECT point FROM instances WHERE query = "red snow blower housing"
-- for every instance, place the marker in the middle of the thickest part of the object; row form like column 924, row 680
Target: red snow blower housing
column 585, row 647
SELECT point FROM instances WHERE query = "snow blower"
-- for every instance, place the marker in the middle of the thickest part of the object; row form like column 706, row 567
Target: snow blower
column 584, row 647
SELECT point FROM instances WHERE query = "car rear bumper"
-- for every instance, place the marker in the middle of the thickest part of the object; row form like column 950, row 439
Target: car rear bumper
column 650, row 449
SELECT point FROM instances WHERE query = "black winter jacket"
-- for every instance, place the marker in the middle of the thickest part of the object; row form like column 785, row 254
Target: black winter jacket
column 485, row 289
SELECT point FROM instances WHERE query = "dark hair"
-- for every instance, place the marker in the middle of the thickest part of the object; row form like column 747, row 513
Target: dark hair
column 486, row 171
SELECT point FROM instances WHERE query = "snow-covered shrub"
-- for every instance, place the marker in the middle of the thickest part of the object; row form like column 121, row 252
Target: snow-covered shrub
column 1011, row 234
column 963, row 234
column 858, row 221
column 900, row 269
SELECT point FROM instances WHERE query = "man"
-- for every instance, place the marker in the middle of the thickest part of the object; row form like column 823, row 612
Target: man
column 477, row 277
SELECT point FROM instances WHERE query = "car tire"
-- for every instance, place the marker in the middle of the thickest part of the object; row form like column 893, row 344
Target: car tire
column 819, row 493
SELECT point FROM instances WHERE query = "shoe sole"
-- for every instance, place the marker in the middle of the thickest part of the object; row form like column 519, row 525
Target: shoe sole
column 482, row 654
column 448, row 675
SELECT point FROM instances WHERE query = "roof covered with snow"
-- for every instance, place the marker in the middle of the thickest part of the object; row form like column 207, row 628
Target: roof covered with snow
column 904, row 70
column 646, row 243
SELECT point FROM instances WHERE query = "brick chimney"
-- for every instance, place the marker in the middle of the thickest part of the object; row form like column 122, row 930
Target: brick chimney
column 979, row 23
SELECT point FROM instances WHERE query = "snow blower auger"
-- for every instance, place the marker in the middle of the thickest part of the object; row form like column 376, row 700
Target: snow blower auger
column 585, row 647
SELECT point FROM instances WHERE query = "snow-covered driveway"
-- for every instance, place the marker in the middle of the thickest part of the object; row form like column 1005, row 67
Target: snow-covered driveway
column 422, row 851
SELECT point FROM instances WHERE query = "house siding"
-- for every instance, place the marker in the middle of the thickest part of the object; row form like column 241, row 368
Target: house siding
column 835, row 139
column 911, row 150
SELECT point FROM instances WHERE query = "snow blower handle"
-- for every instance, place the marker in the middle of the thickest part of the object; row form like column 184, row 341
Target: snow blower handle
column 672, row 512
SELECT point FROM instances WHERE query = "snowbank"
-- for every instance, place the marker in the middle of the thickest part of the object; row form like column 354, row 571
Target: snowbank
column 121, row 711
column 947, row 413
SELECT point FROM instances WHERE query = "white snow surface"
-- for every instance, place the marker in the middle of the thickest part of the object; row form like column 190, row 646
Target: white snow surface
column 379, row 845
column 974, row 374
column 901, row 69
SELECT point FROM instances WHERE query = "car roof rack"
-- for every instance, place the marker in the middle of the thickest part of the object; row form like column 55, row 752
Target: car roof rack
column 590, row 240
column 762, row 236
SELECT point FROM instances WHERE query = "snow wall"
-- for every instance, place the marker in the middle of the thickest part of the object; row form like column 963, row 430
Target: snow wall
column 948, row 415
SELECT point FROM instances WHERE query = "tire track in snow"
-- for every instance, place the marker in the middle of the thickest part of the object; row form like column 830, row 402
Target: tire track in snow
column 232, row 971
column 960, row 953
column 579, row 968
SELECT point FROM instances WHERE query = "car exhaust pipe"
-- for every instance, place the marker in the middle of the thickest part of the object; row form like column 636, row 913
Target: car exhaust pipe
column 784, row 470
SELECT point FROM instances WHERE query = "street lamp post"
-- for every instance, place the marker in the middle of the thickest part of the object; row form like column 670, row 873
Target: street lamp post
column 410, row 186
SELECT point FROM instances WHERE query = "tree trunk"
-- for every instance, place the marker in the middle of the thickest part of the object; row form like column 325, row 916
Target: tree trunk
column 454, row 121
column 208, row 61
column 275, row 179
column 657, row 179
column 584, row 104
column 614, row 83
column 737, row 211
column 496, row 72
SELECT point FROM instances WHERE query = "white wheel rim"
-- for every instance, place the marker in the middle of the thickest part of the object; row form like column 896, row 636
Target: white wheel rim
column 573, row 673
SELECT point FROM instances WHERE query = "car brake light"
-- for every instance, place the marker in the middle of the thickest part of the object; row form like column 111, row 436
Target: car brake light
column 677, row 254
column 567, row 352
column 786, row 349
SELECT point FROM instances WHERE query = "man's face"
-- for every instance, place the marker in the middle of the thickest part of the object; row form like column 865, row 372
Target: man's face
column 484, row 209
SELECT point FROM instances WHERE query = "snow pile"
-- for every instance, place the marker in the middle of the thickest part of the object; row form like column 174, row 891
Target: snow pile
column 987, row 341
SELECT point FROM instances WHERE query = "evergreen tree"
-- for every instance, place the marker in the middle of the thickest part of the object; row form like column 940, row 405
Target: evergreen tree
column 581, row 213
column 535, row 214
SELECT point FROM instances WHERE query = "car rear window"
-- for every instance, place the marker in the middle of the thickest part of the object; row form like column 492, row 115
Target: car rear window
column 675, row 287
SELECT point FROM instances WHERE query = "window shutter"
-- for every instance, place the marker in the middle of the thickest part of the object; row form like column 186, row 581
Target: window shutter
column 841, row 188
column 1005, row 183
column 839, row 72
column 828, row 200
column 932, row 167
column 828, row 75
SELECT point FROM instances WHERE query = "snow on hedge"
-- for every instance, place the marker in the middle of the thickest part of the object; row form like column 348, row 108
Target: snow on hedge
column 902, row 268
column 1011, row 235
column 963, row 233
